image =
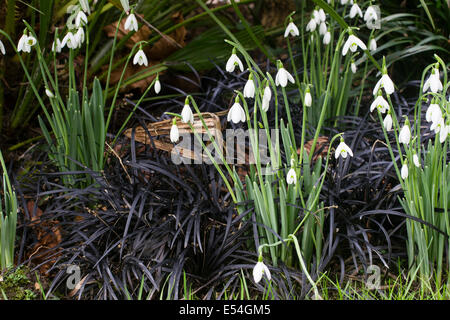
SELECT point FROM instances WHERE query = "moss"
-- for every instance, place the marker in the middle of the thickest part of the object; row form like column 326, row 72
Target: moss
column 17, row 285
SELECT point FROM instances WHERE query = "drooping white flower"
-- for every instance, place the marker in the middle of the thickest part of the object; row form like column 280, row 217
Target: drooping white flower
column 282, row 77
column 236, row 113
column 370, row 14
column 353, row 43
column 125, row 5
column 2, row 48
column 174, row 132
column 234, row 61
column 433, row 82
column 438, row 125
column 291, row 177
column 140, row 58
column 387, row 122
column 308, row 98
column 404, row 171
column 405, row 134
column 416, row 160
column 323, row 28
column 372, row 45
column 157, row 86
column 380, row 103
column 131, row 23
column 56, row 46
column 249, row 88
column 355, row 10
column 343, row 150
column 433, row 113
column 266, row 98
column 186, row 114
column 79, row 37
column 85, row 6
column 49, row 93
column 292, row 30
column 69, row 40
column 259, row 270
column 327, row 38
column 322, row 15
column 316, row 16
column 311, row 26
column 343, row 2
column 386, row 83
column 443, row 134
column 81, row 19
column 25, row 43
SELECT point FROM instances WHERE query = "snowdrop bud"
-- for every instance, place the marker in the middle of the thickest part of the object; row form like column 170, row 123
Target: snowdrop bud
column 85, row 6
column 186, row 114
column 343, row 150
column 327, row 38
column 56, row 46
column 131, row 23
column 387, row 123
column 79, row 37
column 125, row 5
column 266, row 98
column 249, row 88
column 49, row 93
column 291, row 29
column 236, row 113
column 372, row 45
column 355, row 10
column 353, row 66
column 308, row 98
column 322, row 15
column 157, row 85
column 311, row 26
column 234, row 61
column 405, row 133
column 291, row 177
column 416, row 160
column 2, row 48
column 81, row 19
column 140, row 58
column 259, row 270
column 174, row 133
column 404, row 171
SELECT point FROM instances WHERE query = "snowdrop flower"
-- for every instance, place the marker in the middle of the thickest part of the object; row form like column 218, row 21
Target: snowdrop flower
column 291, row 177
column 2, row 48
column 404, row 171
column 387, row 122
column 433, row 113
column 316, row 16
column 266, row 98
column 353, row 43
column 370, row 14
column 249, row 88
column 308, row 98
column 311, row 26
column 174, row 133
column 405, row 133
column 343, row 2
column 291, row 29
column 323, row 28
column 125, row 5
column 140, row 58
column 85, row 6
column 25, row 43
column 81, row 19
column 49, row 93
column 322, row 16
column 372, row 44
column 327, row 38
column 386, row 83
column 433, row 82
column 236, row 113
column 283, row 76
column 131, row 23
column 56, row 46
column 380, row 103
column 438, row 125
column 157, row 85
column 343, row 150
column 186, row 114
column 79, row 37
column 355, row 10
column 443, row 134
column 69, row 40
column 353, row 66
column 259, row 270
column 416, row 160
column 234, row 61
